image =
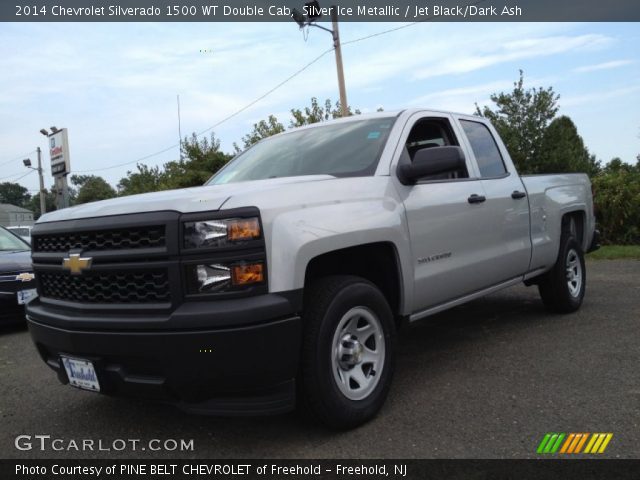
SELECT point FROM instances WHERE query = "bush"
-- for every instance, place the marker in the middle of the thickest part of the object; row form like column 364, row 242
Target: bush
column 617, row 204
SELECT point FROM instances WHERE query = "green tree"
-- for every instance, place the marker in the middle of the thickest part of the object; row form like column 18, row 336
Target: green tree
column 14, row 193
column 262, row 129
column 563, row 151
column 317, row 113
column 146, row 179
column 49, row 200
column 91, row 188
column 521, row 117
column 203, row 159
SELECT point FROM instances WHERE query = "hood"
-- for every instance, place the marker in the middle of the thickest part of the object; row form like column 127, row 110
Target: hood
column 15, row 262
column 185, row 200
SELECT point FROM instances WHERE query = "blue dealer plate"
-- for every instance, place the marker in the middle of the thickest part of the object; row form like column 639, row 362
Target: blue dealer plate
column 81, row 373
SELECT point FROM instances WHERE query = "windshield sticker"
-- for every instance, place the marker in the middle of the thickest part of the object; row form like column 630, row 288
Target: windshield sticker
column 373, row 135
column 384, row 125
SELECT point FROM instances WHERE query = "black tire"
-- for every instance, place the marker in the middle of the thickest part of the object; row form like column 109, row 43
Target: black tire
column 554, row 286
column 327, row 303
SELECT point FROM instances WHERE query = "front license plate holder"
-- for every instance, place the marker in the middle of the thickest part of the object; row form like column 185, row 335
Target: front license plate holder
column 81, row 373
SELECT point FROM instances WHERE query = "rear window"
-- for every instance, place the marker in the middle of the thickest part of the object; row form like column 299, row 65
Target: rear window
column 484, row 148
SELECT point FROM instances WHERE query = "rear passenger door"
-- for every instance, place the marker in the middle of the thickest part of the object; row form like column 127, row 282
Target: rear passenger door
column 506, row 205
column 448, row 228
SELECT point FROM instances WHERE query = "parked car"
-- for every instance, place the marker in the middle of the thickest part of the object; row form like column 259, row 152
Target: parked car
column 286, row 276
column 16, row 277
column 24, row 232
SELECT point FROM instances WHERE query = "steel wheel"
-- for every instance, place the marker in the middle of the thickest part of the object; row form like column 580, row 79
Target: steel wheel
column 358, row 353
column 574, row 273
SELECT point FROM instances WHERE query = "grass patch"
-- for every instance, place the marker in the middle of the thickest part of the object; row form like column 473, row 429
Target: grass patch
column 616, row 252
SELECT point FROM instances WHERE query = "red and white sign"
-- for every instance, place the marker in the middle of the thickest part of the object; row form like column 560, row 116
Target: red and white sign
column 59, row 151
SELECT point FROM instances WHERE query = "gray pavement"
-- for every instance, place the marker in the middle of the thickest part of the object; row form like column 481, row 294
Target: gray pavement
column 485, row 380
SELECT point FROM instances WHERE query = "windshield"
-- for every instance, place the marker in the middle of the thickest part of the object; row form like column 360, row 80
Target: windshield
column 8, row 241
column 350, row 149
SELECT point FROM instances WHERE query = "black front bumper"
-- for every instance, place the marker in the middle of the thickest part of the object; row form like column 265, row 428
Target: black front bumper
column 244, row 362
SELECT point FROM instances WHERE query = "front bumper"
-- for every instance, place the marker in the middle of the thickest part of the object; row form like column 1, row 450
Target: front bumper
column 246, row 368
column 10, row 311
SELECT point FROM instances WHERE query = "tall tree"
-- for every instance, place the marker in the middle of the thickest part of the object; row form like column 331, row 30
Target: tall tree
column 146, row 179
column 204, row 158
column 521, row 117
column 317, row 113
column 14, row 193
column 563, row 151
column 49, row 200
column 91, row 188
column 262, row 129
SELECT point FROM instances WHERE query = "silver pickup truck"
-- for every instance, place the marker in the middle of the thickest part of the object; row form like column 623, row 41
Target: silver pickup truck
column 286, row 277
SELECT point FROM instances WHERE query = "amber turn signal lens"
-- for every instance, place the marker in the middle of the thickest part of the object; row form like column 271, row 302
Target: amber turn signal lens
column 243, row 229
column 247, row 274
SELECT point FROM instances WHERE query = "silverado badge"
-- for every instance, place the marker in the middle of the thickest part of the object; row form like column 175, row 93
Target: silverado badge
column 75, row 264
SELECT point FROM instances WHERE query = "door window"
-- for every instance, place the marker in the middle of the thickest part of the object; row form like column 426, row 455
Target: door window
column 484, row 148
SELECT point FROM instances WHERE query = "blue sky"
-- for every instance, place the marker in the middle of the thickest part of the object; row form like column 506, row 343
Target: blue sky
column 114, row 86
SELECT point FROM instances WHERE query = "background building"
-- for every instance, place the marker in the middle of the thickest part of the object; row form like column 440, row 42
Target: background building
column 11, row 215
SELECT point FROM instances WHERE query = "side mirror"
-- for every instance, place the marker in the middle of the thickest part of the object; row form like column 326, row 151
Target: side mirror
column 431, row 161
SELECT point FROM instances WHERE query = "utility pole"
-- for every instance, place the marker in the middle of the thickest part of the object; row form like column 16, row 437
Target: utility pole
column 179, row 129
column 336, row 46
column 27, row 163
column 43, row 193
column 308, row 20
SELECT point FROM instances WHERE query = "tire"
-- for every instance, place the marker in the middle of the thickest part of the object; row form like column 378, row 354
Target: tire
column 347, row 322
column 562, row 288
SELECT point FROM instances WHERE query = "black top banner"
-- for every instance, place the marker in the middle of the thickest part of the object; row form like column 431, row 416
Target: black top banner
column 347, row 10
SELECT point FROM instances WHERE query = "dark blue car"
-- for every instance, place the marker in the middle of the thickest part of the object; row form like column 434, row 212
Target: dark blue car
column 17, row 285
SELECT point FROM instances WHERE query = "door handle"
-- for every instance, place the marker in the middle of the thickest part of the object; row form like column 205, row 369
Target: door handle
column 516, row 195
column 475, row 198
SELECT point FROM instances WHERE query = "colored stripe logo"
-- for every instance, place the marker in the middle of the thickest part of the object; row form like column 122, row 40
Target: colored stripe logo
column 568, row 443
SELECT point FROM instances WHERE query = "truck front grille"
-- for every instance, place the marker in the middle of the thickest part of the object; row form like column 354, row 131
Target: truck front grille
column 101, row 240
column 150, row 286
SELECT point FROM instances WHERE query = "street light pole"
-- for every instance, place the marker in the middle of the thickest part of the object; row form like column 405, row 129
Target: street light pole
column 43, row 193
column 336, row 46
column 307, row 20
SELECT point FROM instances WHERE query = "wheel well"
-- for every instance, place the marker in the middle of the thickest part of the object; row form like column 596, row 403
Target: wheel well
column 377, row 262
column 578, row 220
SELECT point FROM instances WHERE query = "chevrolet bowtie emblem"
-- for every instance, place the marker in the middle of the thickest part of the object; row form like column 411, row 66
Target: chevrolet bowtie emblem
column 25, row 277
column 75, row 264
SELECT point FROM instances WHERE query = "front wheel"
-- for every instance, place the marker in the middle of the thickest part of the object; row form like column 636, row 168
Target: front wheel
column 562, row 288
column 348, row 351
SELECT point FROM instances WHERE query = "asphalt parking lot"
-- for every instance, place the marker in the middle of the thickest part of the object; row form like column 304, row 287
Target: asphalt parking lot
column 485, row 380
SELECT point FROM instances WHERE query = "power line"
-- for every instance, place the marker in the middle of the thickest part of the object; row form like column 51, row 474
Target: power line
column 20, row 178
column 21, row 157
column 10, row 176
column 225, row 119
column 269, row 92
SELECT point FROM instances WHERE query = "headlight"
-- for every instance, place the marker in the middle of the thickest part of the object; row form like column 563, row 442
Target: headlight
column 213, row 278
column 218, row 233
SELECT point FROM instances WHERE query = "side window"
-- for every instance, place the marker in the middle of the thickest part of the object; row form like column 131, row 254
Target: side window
column 484, row 148
column 429, row 133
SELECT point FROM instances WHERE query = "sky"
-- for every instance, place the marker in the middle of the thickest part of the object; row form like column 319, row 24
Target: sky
column 114, row 86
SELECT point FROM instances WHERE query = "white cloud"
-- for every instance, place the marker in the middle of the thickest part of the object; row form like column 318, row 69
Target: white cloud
column 603, row 66
column 599, row 96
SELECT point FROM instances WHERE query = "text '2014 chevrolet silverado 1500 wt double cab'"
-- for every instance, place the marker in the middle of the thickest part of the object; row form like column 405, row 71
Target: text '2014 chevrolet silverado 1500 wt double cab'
column 285, row 277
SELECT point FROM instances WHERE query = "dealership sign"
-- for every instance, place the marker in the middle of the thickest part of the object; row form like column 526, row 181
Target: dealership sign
column 59, row 151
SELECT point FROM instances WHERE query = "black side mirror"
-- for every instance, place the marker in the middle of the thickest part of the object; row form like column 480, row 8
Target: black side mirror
column 431, row 161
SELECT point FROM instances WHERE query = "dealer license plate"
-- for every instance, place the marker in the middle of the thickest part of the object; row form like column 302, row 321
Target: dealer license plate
column 81, row 373
column 25, row 296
